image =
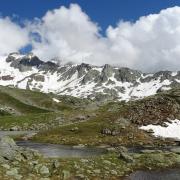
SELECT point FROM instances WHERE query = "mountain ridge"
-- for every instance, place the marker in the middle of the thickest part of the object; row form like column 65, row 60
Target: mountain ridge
column 83, row 80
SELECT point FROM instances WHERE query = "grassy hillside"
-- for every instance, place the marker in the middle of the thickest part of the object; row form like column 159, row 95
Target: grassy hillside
column 45, row 101
column 81, row 121
column 121, row 118
column 18, row 107
column 35, row 110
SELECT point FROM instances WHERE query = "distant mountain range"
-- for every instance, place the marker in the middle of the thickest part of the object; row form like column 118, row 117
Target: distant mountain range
column 83, row 80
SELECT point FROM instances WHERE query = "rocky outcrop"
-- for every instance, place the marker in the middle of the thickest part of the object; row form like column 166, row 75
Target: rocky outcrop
column 155, row 110
column 112, row 132
column 127, row 75
column 23, row 63
column 9, row 151
column 48, row 66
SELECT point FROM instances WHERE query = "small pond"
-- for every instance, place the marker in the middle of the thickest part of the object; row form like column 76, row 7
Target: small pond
column 55, row 151
column 171, row 174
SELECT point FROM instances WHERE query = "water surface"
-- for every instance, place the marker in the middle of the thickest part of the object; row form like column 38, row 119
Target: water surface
column 53, row 150
column 172, row 174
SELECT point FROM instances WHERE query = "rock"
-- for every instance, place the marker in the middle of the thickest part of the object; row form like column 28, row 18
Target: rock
column 90, row 75
column 150, row 131
column 79, row 146
column 12, row 172
column 29, row 136
column 36, row 168
column 97, row 171
column 66, row 174
column 122, row 149
column 107, row 162
column 75, row 129
column 44, row 170
column 38, row 77
column 126, row 157
column 18, row 177
column 106, row 131
column 15, row 128
column 123, row 122
column 7, row 78
column 81, row 176
column 8, row 148
column 7, row 141
column 81, row 117
column 84, row 160
column 113, row 172
column 111, row 149
column 56, row 164
column 6, row 166
column 115, row 132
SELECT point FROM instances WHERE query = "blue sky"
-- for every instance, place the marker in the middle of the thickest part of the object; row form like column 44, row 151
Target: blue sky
column 90, row 31
column 103, row 12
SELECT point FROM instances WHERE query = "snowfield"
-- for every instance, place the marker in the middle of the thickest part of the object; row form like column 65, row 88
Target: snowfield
column 171, row 131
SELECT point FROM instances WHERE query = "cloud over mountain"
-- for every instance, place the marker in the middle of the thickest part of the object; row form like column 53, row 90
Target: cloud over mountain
column 12, row 36
column 151, row 43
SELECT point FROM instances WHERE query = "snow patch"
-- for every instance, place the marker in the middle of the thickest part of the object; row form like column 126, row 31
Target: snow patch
column 56, row 100
column 165, row 88
column 177, row 80
column 174, row 73
column 171, row 131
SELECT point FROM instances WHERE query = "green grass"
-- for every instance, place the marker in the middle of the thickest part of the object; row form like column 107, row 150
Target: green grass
column 89, row 133
column 43, row 100
column 8, row 101
column 27, row 120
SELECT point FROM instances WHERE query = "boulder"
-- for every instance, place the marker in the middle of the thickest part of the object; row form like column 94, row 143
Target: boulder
column 15, row 128
column 106, row 131
column 44, row 170
column 8, row 148
column 126, row 157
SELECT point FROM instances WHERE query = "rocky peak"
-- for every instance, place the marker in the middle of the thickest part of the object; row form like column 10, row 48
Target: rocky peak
column 12, row 57
column 49, row 66
column 23, row 62
column 82, row 69
column 107, row 70
column 85, row 80
column 31, row 61
column 127, row 75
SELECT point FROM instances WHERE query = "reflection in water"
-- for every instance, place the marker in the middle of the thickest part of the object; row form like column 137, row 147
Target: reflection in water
column 53, row 150
column 173, row 174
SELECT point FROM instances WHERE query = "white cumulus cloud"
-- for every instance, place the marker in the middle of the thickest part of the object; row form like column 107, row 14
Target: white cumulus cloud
column 12, row 36
column 152, row 41
column 150, row 44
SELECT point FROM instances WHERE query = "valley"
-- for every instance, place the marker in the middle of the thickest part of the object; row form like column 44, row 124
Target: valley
column 80, row 125
column 126, row 129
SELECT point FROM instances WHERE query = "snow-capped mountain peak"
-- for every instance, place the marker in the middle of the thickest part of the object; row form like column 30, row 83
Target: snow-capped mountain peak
column 83, row 80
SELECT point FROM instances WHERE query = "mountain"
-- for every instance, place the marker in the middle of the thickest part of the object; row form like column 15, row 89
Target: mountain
column 83, row 80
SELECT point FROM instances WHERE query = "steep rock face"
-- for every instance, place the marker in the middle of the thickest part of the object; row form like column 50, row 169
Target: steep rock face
column 84, row 80
column 23, row 63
